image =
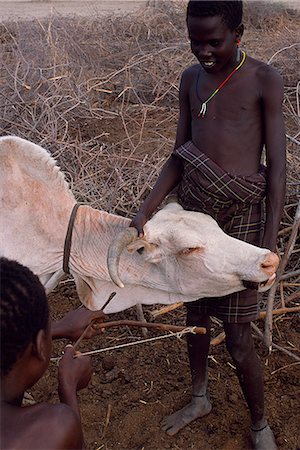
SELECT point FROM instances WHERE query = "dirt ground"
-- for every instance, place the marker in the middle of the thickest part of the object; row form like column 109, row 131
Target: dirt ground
column 132, row 389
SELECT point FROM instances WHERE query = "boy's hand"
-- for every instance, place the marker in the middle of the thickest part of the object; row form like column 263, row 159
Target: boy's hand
column 75, row 322
column 73, row 373
column 138, row 222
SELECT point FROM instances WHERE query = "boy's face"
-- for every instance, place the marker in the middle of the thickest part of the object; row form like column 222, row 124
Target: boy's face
column 212, row 42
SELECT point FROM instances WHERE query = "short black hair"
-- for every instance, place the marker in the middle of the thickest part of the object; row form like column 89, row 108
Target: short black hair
column 230, row 11
column 23, row 311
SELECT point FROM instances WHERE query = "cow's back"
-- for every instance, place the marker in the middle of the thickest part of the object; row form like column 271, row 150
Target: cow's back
column 35, row 200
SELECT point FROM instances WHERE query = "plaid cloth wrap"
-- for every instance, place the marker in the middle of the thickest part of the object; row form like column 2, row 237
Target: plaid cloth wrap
column 236, row 203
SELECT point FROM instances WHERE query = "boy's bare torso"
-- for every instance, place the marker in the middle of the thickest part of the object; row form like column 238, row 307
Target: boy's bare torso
column 231, row 133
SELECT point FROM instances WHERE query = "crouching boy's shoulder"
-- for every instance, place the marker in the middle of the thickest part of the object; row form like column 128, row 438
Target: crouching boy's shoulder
column 55, row 427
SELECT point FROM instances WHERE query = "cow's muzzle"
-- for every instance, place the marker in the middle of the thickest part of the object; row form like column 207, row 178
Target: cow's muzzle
column 262, row 286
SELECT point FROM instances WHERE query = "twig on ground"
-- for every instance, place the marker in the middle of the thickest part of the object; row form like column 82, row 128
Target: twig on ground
column 278, row 347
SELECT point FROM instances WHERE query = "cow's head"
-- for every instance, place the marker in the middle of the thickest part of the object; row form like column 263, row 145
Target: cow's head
column 191, row 248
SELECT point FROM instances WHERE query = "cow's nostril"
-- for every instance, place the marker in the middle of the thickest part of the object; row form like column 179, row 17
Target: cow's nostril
column 270, row 263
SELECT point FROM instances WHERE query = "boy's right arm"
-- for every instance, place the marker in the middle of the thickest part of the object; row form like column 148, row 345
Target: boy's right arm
column 167, row 180
column 73, row 374
column 171, row 172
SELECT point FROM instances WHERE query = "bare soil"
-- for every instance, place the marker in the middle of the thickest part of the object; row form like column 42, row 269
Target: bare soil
column 132, row 389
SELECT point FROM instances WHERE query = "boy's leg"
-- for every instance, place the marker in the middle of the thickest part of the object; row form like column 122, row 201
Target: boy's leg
column 240, row 345
column 198, row 347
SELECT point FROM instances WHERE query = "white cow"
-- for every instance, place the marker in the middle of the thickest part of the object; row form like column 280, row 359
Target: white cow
column 185, row 254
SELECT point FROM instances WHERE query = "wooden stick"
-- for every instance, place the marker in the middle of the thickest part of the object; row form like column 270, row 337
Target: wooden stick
column 285, row 367
column 282, row 264
column 108, row 414
column 285, row 231
column 218, row 339
column 286, row 276
column 156, row 326
column 280, row 311
column 292, row 297
column 141, row 318
column 166, row 309
column 282, row 295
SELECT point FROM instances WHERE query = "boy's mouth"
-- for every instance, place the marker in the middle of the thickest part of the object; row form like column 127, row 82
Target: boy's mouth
column 207, row 64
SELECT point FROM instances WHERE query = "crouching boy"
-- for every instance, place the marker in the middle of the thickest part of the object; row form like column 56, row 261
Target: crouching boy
column 26, row 338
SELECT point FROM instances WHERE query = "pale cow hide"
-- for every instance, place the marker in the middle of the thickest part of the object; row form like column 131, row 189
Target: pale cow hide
column 184, row 255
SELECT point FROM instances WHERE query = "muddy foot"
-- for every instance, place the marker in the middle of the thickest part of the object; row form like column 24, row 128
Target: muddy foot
column 263, row 439
column 198, row 407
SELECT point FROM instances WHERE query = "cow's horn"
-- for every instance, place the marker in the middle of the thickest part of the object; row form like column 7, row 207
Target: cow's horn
column 114, row 253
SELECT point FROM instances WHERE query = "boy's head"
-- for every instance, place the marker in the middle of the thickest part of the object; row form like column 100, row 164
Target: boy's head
column 215, row 31
column 230, row 11
column 23, row 311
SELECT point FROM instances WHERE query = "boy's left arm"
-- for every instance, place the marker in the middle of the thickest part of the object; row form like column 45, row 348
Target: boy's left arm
column 74, row 323
column 275, row 142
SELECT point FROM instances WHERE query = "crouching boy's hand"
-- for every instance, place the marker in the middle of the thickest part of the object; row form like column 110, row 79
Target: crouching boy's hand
column 74, row 373
column 74, row 323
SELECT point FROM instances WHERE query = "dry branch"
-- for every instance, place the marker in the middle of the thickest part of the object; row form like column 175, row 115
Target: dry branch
column 278, row 347
column 281, row 268
column 150, row 325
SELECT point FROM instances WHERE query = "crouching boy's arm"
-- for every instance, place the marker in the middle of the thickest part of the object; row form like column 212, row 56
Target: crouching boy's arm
column 74, row 373
column 275, row 152
column 74, row 323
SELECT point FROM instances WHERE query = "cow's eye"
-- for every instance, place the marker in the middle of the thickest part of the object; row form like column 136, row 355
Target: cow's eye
column 190, row 250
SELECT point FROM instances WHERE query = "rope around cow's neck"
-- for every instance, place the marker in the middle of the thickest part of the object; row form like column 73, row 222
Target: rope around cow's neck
column 130, row 344
column 68, row 238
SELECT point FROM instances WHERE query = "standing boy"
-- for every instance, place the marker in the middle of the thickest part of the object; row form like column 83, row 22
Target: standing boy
column 230, row 109
column 26, row 336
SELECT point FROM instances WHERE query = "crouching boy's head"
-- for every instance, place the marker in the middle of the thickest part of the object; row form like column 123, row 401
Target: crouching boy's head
column 25, row 331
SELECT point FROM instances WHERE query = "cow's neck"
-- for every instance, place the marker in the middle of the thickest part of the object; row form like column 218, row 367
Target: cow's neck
column 93, row 232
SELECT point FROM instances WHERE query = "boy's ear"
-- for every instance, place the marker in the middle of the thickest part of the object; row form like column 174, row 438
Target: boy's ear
column 40, row 345
column 239, row 31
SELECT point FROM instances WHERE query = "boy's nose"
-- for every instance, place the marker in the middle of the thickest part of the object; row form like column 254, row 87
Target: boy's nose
column 204, row 53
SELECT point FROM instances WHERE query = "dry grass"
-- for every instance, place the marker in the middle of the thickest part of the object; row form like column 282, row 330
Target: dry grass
column 101, row 94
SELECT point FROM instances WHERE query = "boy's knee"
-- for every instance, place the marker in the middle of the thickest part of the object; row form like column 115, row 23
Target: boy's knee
column 239, row 353
column 239, row 344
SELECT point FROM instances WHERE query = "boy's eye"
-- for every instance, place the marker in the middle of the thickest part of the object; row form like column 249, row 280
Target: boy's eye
column 215, row 43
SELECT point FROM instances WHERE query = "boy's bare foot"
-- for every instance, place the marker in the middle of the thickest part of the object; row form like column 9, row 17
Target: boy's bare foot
column 198, row 407
column 263, row 439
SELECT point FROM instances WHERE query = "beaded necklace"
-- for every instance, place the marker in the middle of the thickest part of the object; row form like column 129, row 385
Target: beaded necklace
column 203, row 109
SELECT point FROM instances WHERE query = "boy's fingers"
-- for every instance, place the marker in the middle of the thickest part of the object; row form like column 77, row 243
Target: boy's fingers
column 69, row 350
column 99, row 315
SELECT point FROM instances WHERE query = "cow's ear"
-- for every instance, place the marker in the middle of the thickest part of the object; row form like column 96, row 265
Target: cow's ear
column 84, row 289
column 140, row 244
column 190, row 251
